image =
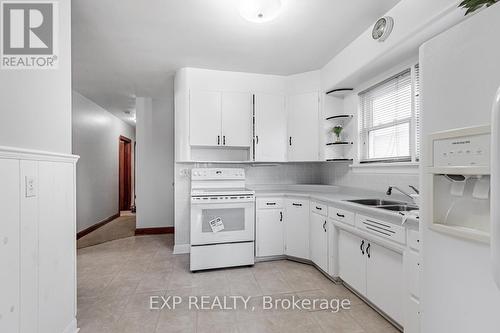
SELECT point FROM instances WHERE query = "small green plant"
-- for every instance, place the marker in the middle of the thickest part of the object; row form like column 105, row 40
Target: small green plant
column 337, row 130
column 473, row 5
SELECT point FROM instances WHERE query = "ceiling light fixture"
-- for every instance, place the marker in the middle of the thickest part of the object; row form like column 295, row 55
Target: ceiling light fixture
column 259, row 11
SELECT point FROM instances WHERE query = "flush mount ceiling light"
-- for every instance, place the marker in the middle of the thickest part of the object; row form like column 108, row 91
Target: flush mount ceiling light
column 259, row 11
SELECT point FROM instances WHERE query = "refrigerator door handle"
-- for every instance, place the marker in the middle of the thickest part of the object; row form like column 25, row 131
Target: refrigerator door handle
column 495, row 189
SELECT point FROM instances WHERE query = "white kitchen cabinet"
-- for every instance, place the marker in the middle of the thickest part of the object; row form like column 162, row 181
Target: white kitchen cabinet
column 384, row 280
column 270, row 128
column 237, row 116
column 374, row 271
column 205, row 118
column 270, row 233
column 352, row 261
column 297, row 228
column 303, row 127
column 319, row 240
column 220, row 119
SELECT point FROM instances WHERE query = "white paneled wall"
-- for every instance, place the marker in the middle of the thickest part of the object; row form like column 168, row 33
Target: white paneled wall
column 37, row 242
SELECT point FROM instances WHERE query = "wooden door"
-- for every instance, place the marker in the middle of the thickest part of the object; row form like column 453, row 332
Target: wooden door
column 125, row 175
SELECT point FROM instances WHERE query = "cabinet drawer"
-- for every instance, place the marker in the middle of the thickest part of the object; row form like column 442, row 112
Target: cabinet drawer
column 414, row 240
column 381, row 228
column 341, row 215
column 319, row 208
column 269, row 203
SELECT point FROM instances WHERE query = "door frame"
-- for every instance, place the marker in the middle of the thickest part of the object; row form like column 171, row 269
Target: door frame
column 128, row 143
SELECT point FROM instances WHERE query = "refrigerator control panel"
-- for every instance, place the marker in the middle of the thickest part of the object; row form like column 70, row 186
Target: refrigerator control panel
column 473, row 150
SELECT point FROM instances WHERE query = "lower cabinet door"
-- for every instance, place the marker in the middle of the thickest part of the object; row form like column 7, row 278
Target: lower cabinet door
column 352, row 261
column 297, row 228
column 384, row 280
column 270, row 233
column 319, row 241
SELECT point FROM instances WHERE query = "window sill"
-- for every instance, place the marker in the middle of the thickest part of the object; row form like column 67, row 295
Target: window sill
column 411, row 168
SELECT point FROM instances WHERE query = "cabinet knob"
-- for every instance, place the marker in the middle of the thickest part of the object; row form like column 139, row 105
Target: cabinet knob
column 324, row 226
column 368, row 250
column 281, row 216
column 218, row 140
column 362, row 247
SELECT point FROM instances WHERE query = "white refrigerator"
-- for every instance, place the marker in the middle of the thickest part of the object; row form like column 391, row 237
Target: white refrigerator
column 460, row 75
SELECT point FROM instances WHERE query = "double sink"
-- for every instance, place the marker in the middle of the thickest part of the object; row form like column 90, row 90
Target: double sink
column 395, row 206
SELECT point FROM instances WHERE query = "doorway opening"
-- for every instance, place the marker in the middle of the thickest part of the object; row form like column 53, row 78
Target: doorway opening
column 125, row 174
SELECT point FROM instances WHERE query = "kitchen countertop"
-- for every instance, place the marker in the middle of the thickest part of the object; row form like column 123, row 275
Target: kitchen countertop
column 337, row 196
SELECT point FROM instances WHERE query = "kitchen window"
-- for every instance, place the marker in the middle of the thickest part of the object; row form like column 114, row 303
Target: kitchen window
column 389, row 120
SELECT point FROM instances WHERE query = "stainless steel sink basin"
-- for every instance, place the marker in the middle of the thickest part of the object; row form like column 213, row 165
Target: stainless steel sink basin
column 376, row 202
column 399, row 208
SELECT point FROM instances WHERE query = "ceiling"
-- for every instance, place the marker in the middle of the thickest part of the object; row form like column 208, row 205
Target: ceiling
column 127, row 48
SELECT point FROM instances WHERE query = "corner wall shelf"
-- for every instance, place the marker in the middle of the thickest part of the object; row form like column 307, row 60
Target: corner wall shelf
column 343, row 143
column 339, row 92
column 342, row 116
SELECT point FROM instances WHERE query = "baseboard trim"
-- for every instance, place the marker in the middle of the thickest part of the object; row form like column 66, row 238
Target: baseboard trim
column 72, row 327
column 154, row 231
column 97, row 226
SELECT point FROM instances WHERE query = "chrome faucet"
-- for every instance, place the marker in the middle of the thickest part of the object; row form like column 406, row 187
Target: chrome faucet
column 389, row 191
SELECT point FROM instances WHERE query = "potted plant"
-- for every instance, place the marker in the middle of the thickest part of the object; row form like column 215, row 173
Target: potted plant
column 473, row 5
column 337, row 130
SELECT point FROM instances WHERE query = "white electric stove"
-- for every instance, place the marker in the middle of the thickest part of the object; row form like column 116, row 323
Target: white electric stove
column 222, row 219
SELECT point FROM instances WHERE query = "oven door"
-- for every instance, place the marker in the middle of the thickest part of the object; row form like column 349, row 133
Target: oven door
column 237, row 219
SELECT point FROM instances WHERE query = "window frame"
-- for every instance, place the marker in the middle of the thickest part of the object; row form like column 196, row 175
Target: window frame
column 363, row 133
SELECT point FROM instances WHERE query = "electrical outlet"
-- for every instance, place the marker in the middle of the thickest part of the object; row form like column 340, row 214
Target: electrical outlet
column 30, row 187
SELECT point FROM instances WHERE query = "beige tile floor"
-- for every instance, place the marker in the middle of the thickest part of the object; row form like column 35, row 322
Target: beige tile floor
column 117, row 278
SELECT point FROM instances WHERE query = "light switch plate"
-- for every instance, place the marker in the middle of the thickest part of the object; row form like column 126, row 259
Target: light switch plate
column 30, row 187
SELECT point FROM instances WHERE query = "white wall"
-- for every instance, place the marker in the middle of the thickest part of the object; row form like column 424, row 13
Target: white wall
column 414, row 23
column 155, row 161
column 96, row 135
column 35, row 110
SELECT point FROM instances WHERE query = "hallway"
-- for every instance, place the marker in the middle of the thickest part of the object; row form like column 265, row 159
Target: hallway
column 121, row 227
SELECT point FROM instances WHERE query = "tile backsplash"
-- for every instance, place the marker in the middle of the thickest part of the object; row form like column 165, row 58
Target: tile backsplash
column 343, row 175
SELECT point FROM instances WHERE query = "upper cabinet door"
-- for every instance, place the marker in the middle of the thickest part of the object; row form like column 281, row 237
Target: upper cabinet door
column 270, row 128
column 205, row 118
column 237, row 114
column 303, row 127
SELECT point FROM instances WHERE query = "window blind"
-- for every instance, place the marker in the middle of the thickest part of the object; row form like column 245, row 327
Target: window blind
column 386, row 119
column 416, row 88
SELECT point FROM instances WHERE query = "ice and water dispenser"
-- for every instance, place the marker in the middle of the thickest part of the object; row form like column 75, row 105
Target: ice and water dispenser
column 460, row 178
